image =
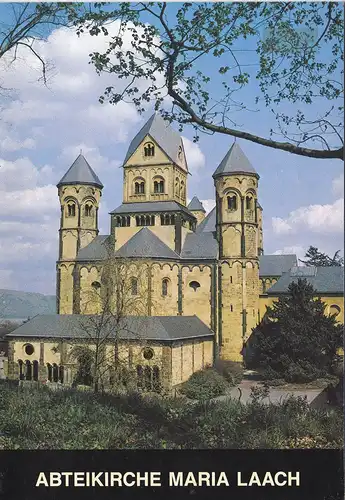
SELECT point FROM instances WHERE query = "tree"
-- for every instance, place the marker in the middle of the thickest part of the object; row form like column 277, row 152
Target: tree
column 29, row 22
column 296, row 341
column 215, row 60
column 107, row 312
column 316, row 258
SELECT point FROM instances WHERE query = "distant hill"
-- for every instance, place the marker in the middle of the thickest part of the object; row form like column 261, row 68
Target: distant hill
column 16, row 305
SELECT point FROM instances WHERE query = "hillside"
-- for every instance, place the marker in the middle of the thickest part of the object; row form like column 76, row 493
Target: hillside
column 17, row 305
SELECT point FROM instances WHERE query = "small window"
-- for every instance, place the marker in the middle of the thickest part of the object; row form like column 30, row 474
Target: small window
column 249, row 203
column 134, row 286
column 231, row 308
column 334, row 310
column 230, row 279
column 165, row 286
column 96, row 285
column 149, row 149
column 88, row 210
column 232, row 202
column 148, row 353
column 180, row 153
column 194, row 285
column 29, row 349
column 158, row 186
column 71, row 210
column 139, row 187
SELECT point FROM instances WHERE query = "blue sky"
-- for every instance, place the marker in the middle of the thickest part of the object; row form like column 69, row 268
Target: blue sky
column 43, row 129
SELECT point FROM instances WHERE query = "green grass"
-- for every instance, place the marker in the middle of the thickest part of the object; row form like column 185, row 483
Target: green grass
column 71, row 419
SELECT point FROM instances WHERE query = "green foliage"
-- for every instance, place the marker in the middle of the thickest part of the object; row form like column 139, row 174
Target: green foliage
column 296, row 341
column 69, row 419
column 204, row 385
column 315, row 258
column 230, row 370
column 198, row 54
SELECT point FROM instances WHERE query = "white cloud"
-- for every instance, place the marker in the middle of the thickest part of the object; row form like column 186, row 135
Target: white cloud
column 195, row 157
column 315, row 218
column 298, row 250
column 338, row 186
column 208, row 205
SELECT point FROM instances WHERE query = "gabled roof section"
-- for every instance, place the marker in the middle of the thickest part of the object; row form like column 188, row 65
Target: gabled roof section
column 146, row 244
column 196, row 205
column 326, row 280
column 96, row 250
column 151, row 207
column 80, row 172
column 276, row 265
column 163, row 134
column 208, row 225
column 200, row 246
column 162, row 328
column 235, row 162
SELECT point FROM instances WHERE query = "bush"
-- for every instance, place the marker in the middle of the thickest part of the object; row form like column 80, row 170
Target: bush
column 204, row 385
column 232, row 371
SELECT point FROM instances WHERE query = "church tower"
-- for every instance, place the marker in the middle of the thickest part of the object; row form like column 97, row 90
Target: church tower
column 236, row 184
column 79, row 191
column 197, row 209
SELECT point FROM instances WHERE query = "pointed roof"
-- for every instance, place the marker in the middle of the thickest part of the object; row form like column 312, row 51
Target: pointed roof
column 80, row 172
column 163, row 134
column 208, row 225
column 235, row 162
column 196, row 205
column 146, row 244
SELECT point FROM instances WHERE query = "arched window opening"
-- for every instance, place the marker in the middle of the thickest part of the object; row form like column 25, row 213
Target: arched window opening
column 232, row 202
column 50, row 372
column 149, row 149
column 165, row 287
column 139, row 187
column 88, row 210
column 148, row 353
column 194, row 285
column 29, row 349
column 134, row 286
column 183, row 190
column 55, row 373
column 158, row 186
column 145, row 220
column 230, row 279
column 71, row 209
column 35, row 370
column 180, row 153
column 21, row 370
column 156, row 379
column 231, row 308
column 28, row 370
column 177, row 187
column 334, row 310
column 249, row 203
column 96, row 285
column 118, row 221
column 140, row 377
column 61, row 374
column 147, row 378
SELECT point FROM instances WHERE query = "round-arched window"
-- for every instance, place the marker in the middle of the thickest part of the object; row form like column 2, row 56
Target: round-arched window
column 96, row 285
column 148, row 353
column 194, row 285
column 29, row 349
column 334, row 310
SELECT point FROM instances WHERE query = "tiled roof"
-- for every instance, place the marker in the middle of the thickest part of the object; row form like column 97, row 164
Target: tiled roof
column 163, row 134
column 200, row 246
column 80, row 172
column 96, row 250
column 146, row 244
column 208, row 224
column 151, row 207
column 162, row 328
column 195, row 204
column 323, row 279
column 276, row 265
column 235, row 161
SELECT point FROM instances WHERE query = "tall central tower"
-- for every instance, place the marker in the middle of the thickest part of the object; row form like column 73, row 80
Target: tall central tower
column 236, row 184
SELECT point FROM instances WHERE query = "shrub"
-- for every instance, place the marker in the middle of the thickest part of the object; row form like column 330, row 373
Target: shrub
column 232, row 371
column 204, row 385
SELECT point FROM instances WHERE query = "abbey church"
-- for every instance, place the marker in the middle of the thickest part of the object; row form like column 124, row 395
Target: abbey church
column 196, row 285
